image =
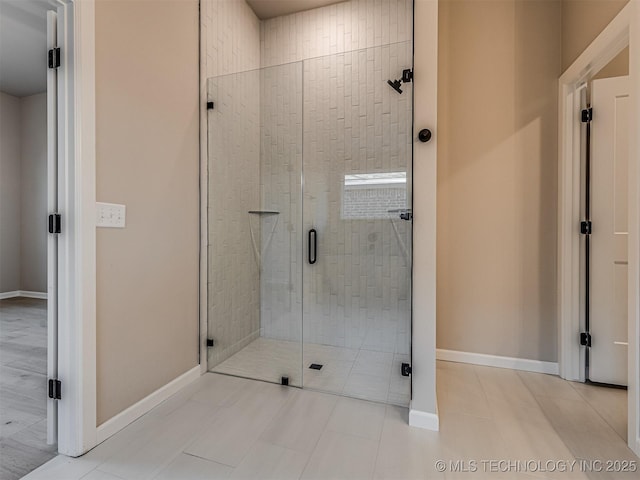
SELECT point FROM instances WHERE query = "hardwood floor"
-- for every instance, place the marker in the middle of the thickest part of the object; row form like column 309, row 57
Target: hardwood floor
column 227, row 427
column 23, row 368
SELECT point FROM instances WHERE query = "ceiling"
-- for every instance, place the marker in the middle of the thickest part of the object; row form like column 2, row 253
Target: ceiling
column 274, row 8
column 23, row 47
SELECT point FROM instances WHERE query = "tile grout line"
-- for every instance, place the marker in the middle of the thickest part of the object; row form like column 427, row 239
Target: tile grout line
column 586, row 400
column 324, row 429
column 375, row 464
column 206, row 459
column 266, row 426
column 484, row 394
column 535, row 397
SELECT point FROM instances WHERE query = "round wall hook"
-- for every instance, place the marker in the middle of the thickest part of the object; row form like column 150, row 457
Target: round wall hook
column 424, row 135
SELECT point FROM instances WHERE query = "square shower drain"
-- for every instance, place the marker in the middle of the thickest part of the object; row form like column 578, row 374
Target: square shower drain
column 315, row 366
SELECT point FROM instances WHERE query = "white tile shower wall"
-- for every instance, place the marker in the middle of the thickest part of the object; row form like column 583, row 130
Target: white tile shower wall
column 339, row 28
column 281, row 190
column 234, row 186
column 358, row 294
column 232, row 35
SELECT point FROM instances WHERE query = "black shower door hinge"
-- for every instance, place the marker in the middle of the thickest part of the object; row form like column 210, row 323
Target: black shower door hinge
column 55, row 223
column 407, row 75
column 54, row 57
column 587, row 115
column 55, row 389
column 586, row 227
column 585, row 339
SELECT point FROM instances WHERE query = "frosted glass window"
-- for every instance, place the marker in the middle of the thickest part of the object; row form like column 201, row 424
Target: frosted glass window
column 373, row 195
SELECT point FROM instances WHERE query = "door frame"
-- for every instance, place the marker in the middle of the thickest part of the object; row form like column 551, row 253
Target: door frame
column 77, row 241
column 624, row 30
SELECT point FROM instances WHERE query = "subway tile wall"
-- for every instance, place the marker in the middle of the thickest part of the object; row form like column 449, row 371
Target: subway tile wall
column 231, row 32
column 281, row 190
column 231, row 57
column 358, row 293
column 339, row 28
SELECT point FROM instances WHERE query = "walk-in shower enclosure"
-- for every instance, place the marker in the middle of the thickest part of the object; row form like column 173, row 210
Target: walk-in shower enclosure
column 309, row 153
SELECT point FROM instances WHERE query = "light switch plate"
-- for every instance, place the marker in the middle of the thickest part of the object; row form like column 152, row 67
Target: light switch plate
column 110, row 215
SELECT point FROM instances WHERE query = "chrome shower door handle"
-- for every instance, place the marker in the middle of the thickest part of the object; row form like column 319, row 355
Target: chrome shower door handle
column 313, row 246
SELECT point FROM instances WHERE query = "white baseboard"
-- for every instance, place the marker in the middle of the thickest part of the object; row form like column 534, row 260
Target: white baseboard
column 135, row 411
column 426, row 420
column 23, row 293
column 525, row 364
column 40, row 295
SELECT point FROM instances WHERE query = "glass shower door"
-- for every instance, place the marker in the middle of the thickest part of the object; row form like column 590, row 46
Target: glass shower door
column 357, row 219
column 255, row 221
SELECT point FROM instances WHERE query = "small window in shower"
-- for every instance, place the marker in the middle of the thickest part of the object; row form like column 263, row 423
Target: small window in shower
column 373, row 195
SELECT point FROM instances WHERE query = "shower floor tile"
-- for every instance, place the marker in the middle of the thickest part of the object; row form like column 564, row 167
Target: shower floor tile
column 356, row 373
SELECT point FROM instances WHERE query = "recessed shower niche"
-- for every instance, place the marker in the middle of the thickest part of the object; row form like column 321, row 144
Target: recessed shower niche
column 309, row 204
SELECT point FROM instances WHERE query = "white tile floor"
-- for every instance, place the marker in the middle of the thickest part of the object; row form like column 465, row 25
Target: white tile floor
column 355, row 373
column 228, row 427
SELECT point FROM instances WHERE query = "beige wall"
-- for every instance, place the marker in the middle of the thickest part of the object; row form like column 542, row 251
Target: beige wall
column 499, row 62
column 582, row 22
column 147, row 158
column 33, row 186
column 9, row 193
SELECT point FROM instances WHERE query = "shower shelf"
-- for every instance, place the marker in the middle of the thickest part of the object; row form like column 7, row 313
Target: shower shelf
column 264, row 212
column 257, row 251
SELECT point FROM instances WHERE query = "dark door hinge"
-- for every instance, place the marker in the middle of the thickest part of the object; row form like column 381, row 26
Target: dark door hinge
column 55, row 223
column 210, row 105
column 586, row 227
column 407, row 75
column 587, row 115
column 54, row 57
column 405, row 369
column 585, row 339
column 55, row 389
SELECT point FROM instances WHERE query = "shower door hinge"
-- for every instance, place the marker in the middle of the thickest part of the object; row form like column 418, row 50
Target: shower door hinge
column 210, row 105
column 587, row 115
column 55, row 389
column 585, row 339
column 54, row 57
column 405, row 369
column 55, row 223
column 407, row 75
column 209, row 342
column 586, row 227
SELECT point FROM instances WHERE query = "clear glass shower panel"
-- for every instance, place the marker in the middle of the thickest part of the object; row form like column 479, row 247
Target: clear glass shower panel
column 358, row 221
column 254, row 218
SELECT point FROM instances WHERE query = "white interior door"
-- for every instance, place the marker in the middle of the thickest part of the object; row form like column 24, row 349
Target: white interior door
column 609, row 186
column 52, row 240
